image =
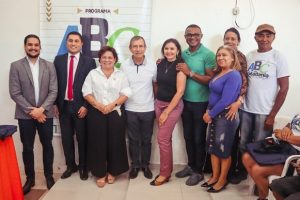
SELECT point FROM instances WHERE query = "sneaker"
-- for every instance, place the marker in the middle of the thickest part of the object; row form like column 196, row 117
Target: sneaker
column 187, row 171
column 194, row 179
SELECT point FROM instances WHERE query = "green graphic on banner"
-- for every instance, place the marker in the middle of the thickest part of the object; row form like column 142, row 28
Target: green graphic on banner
column 116, row 34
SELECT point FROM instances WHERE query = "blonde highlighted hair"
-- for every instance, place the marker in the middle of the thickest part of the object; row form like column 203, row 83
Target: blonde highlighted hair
column 235, row 64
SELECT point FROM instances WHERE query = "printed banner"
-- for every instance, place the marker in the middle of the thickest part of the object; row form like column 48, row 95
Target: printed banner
column 101, row 22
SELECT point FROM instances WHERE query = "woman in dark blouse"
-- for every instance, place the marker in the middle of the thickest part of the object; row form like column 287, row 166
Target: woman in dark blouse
column 237, row 171
column 232, row 38
column 168, row 105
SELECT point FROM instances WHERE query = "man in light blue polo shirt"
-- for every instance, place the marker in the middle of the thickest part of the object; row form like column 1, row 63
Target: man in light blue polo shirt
column 199, row 62
column 141, row 74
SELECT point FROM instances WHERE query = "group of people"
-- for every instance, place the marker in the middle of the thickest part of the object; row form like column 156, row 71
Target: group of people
column 226, row 101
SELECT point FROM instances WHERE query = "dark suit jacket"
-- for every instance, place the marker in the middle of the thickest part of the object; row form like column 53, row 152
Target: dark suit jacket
column 85, row 65
column 21, row 87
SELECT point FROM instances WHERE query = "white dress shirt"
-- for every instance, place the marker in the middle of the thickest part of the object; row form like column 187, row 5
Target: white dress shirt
column 35, row 75
column 106, row 90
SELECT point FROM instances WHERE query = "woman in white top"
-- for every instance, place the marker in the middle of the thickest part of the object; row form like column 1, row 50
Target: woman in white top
column 106, row 88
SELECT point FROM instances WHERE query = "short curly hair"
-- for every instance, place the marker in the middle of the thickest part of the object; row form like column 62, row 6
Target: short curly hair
column 110, row 49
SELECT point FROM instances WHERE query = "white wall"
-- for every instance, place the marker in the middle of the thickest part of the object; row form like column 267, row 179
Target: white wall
column 19, row 18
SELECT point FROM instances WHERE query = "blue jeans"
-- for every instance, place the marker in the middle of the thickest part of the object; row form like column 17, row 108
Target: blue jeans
column 195, row 133
column 252, row 128
column 140, row 129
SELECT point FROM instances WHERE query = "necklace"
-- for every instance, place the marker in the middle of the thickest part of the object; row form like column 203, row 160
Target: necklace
column 168, row 66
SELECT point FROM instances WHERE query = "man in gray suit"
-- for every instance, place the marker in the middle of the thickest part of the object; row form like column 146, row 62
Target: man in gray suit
column 33, row 87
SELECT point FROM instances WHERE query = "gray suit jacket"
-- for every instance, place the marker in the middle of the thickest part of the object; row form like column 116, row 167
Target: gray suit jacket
column 21, row 87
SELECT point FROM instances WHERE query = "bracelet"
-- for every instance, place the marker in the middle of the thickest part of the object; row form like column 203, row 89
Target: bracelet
column 241, row 99
column 191, row 74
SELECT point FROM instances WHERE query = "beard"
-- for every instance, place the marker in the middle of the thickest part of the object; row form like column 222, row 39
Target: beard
column 32, row 56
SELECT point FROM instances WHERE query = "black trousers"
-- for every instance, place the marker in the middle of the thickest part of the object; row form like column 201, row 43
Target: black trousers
column 195, row 134
column 107, row 152
column 70, row 124
column 236, row 166
column 28, row 129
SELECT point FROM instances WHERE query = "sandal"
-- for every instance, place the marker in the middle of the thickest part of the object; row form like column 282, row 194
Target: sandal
column 101, row 182
column 111, row 179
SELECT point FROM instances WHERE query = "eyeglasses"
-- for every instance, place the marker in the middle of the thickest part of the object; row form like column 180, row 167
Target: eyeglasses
column 190, row 35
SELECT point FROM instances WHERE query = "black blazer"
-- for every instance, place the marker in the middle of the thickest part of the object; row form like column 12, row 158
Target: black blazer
column 85, row 65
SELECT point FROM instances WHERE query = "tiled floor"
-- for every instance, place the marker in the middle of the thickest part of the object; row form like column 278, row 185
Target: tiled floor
column 138, row 189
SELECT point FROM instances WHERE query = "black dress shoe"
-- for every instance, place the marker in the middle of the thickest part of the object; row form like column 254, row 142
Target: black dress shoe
column 213, row 190
column 83, row 174
column 147, row 173
column 238, row 177
column 28, row 185
column 50, row 182
column 68, row 172
column 133, row 173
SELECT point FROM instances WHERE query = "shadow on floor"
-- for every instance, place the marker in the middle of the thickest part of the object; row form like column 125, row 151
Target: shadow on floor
column 34, row 194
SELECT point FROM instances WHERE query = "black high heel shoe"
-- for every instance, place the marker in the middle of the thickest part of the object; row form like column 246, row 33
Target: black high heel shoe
column 213, row 190
column 207, row 185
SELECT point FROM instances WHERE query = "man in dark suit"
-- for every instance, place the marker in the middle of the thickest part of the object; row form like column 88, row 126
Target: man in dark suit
column 71, row 69
column 33, row 86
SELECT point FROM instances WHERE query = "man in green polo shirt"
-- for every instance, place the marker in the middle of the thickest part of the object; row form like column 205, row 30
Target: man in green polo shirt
column 199, row 62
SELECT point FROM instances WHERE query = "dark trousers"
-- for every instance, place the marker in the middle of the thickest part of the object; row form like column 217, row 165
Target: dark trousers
column 236, row 166
column 195, row 134
column 28, row 129
column 140, row 130
column 287, row 187
column 107, row 152
column 70, row 124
